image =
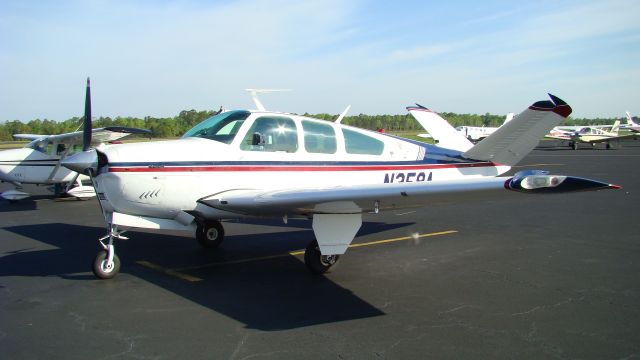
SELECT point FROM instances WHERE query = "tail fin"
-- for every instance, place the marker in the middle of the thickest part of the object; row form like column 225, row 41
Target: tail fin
column 630, row 120
column 508, row 118
column 440, row 129
column 515, row 139
column 615, row 127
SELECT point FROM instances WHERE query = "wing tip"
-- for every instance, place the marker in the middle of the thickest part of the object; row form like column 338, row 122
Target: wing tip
column 555, row 105
column 418, row 107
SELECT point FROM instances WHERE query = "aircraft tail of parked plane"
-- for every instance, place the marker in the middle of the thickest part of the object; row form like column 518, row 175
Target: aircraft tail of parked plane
column 615, row 128
column 439, row 129
column 630, row 120
column 509, row 143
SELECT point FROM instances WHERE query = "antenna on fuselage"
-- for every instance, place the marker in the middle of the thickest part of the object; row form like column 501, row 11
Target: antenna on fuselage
column 254, row 95
column 339, row 119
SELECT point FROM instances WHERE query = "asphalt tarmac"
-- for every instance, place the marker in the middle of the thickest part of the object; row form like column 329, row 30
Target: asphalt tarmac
column 528, row 277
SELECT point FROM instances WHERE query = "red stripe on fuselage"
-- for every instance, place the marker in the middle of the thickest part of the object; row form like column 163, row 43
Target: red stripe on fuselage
column 228, row 168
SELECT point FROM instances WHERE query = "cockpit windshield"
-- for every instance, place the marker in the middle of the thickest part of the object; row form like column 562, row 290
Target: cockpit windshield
column 222, row 127
column 41, row 145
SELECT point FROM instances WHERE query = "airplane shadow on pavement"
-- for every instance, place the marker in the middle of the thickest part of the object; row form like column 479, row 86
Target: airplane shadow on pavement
column 267, row 294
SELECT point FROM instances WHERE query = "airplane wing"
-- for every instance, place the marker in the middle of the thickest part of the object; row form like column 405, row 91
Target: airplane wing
column 615, row 138
column 376, row 197
column 99, row 135
column 29, row 137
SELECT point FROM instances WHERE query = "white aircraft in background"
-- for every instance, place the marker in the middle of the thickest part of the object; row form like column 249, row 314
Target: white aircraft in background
column 478, row 133
column 257, row 163
column 475, row 133
column 630, row 125
column 39, row 162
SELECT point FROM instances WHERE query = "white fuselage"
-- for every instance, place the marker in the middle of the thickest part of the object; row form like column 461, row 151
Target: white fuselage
column 163, row 179
column 33, row 166
column 475, row 133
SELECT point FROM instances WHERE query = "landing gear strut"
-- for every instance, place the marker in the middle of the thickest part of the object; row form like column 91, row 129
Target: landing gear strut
column 210, row 233
column 106, row 264
column 315, row 261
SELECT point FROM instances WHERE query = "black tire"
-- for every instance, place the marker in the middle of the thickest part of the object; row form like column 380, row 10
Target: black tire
column 98, row 267
column 608, row 146
column 210, row 234
column 574, row 145
column 315, row 261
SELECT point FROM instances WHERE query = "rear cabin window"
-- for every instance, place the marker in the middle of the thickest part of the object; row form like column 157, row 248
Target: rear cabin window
column 358, row 143
column 271, row 133
column 319, row 138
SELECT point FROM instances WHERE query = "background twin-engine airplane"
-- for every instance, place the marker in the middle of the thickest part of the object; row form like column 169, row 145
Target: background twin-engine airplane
column 256, row 163
column 39, row 162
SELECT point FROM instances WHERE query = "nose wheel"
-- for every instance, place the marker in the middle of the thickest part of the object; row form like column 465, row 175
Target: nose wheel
column 315, row 261
column 106, row 264
column 105, row 268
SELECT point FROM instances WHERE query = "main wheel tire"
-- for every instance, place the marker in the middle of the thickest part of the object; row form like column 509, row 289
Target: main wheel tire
column 210, row 234
column 100, row 269
column 575, row 145
column 315, row 261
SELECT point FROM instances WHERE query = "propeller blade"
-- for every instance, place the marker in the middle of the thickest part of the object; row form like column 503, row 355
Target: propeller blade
column 86, row 134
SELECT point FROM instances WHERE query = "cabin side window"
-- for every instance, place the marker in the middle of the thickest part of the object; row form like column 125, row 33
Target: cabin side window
column 319, row 138
column 271, row 133
column 359, row 143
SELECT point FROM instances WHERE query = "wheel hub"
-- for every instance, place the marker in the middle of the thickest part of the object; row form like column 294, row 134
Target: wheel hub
column 106, row 266
column 328, row 260
column 212, row 234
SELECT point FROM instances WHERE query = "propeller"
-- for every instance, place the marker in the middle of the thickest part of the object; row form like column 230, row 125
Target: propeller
column 86, row 133
column 85, row 162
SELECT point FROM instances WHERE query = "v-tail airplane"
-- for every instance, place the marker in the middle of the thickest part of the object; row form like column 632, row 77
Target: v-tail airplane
column 259, row 163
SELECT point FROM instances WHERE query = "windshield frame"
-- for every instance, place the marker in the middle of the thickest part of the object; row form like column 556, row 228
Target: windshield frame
column 211, row 128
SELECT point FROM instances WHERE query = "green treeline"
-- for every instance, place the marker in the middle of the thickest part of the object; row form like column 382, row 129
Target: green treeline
column 176, row 126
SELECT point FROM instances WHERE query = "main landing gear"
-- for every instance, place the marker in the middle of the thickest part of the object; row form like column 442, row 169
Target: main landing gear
column 210, row 235
column 315, row 261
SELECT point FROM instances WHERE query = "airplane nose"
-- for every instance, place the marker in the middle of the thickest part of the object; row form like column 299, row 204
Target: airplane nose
column 82, row 162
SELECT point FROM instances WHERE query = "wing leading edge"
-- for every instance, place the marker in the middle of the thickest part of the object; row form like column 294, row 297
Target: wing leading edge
column 378, row 197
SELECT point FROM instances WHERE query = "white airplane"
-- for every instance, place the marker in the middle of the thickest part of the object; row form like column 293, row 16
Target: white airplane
column 257, row 163
column 630, row 125
column 474, row 133
column 39, row 162
column 590, row 135
column 478, row 133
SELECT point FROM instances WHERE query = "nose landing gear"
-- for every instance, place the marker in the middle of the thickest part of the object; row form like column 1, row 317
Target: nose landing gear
column 106, row 264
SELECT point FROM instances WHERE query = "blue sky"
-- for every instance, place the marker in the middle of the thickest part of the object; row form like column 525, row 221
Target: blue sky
column 156, row 58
